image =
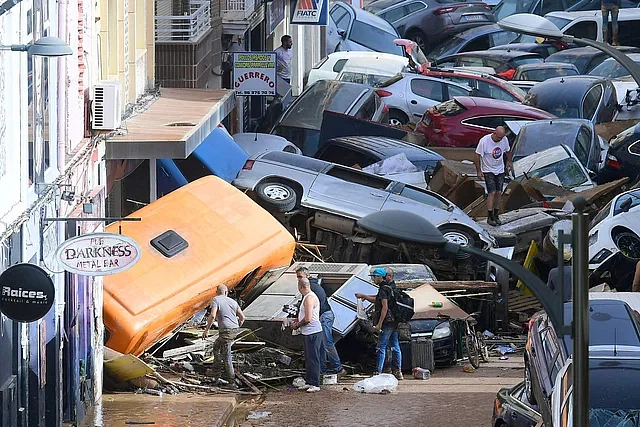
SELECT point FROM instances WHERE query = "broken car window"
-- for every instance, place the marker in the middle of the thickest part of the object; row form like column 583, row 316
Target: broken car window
column 450, row 108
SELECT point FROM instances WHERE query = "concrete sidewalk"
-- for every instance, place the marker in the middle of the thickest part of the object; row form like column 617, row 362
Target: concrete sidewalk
column 124, row 409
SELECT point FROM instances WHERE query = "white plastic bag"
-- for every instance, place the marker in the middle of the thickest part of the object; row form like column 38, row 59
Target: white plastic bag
column 383, row 383
column 362, row 315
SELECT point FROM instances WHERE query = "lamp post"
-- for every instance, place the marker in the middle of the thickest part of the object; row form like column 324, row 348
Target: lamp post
column 46, row 46
column 413, row 228
column 538, row 26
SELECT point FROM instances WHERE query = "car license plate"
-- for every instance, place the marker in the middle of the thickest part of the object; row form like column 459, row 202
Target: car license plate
column 473, row 18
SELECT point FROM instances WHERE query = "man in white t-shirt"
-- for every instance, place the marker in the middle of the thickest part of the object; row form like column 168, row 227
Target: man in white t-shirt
column 283, row 57
column 490, row 164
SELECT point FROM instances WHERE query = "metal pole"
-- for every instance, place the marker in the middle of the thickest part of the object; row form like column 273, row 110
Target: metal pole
column 580, row 313
column 630, row 65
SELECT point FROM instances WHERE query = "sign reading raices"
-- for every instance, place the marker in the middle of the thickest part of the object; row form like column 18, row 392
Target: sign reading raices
column 309, row 12
column 98, row 254
column 27, row 292
column 254, row 73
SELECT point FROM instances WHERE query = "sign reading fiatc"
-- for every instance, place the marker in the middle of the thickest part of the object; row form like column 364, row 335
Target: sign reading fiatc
column 254, row 73
column 98, row 254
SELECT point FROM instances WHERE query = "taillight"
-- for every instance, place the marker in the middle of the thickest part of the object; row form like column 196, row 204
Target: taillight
column 248, row 165
column 385, row 109
column 382, row 93
column 443, row 10
column 612, row 162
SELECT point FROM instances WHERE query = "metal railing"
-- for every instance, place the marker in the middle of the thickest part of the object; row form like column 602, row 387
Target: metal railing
column 176, row 28
column 237, row 10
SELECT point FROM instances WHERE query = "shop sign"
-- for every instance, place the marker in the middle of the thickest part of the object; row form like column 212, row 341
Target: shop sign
column 98, row 254
column 254, row 73
column 309, row 12
column 27, row 293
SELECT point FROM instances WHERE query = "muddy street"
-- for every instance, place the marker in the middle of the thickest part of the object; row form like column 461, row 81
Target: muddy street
column 450, row 397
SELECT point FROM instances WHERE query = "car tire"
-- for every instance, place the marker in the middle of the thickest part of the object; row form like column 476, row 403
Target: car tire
column 276, row 196
column 528, row 384
column 628, row 243
column 398, row 118
column 460, row 236
column 421, row 39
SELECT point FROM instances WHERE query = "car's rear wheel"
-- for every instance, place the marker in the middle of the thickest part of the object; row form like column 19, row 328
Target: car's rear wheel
column 276, row 196
column 459, row 236
column 421, row 40
column 397, row 118
column 528, row 384
column 628, row 243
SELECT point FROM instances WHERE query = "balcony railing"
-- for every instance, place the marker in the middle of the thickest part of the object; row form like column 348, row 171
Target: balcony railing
column 237, row 10
column 182, row 28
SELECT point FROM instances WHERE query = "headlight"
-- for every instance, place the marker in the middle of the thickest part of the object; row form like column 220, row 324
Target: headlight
column 600, row 256
column 443, row 330
column 593, row 238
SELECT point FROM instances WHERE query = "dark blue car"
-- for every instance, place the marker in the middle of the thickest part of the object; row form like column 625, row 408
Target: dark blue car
column 478, row 38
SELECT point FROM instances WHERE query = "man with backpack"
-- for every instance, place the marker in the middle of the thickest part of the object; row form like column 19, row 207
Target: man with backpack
column 385, row 323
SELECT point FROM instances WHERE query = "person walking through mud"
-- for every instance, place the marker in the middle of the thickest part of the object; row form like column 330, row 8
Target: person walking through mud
column 230, row 318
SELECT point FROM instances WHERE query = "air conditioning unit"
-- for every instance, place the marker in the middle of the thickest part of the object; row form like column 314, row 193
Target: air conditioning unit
column 107, row 105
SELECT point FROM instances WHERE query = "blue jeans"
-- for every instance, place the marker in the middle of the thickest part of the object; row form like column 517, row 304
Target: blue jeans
column 614, row 9
column 312, row 358
column 388, row 336
column 328, row 346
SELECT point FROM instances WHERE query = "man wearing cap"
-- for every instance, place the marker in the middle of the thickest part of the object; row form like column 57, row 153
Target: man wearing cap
column 384, row 323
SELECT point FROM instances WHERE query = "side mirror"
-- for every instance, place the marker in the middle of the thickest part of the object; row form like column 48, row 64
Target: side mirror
column 591, row 173
column 342, row 33
column 626, row 205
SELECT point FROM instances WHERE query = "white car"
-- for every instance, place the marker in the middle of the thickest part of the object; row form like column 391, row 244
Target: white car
column 331, row 65
column 371, row 71
column 616, row 229
column 254, row 142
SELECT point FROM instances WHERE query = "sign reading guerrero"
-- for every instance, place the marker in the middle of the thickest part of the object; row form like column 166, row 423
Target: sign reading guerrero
column 27, row 293
column 309, row 12
column 98, row 254
column 254, row 73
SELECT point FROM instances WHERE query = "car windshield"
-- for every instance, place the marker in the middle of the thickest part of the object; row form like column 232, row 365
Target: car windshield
column 566, row 173
column 558, row 22
column 526, row 60
column 612, row 68
column 510, row 7
column 512, row 88
column 542, row 74
column 600, row 215
column 376, row 6
column 613, row 400
column 363, row 78
column 561, row 103
column 374, row 38
column 306, row 112
column 447, row 48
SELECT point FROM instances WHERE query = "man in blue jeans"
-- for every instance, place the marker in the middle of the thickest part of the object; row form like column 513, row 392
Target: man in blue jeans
column 326, row 319
column 613, row 7
column 385, row 324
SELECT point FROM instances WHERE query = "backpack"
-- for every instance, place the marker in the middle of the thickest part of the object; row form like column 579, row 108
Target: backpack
column 401, row 305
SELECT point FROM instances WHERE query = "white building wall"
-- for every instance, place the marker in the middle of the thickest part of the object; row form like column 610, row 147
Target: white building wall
column 11, row 115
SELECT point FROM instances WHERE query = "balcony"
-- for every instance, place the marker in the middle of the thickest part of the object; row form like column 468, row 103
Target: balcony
column 237, row 15
column 188, row 24
column 183, row 43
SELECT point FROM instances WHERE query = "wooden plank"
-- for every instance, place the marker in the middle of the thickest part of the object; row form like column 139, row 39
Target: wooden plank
column 247, row 382
column 471, row 285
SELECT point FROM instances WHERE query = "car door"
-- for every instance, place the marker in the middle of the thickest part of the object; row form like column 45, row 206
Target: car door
column 423, row 94
column 419, row 202
column 348, row 192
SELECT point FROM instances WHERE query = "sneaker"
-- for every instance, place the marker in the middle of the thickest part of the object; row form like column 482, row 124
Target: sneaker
column 496, row 219
column 491, row 221
column 313, row 389
column 376, row 373
column 341, row 372
column 304, row 387
column 398, row 375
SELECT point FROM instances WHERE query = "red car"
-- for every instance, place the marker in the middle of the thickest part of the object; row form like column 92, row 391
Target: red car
column 463, row 120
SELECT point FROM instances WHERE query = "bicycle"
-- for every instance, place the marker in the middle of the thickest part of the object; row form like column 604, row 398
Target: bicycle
column 475, row 344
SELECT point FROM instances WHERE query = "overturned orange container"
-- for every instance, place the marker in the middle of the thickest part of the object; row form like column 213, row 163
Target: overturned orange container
column 199, row 236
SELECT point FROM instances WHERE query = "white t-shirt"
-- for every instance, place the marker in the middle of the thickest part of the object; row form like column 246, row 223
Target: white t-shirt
column 283, row 66
column 491, row 154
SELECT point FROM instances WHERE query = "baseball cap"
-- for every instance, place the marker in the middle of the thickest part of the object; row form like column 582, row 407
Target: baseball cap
column 381, row 272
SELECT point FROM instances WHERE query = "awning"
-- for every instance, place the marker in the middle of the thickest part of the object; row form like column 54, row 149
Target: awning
column 173, row 125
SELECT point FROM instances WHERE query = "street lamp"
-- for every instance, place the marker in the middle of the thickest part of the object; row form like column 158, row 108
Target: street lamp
column 46, row 46
column 538, row 26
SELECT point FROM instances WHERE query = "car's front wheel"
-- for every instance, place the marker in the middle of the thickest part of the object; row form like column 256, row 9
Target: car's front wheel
column 276, row 196
column 628, row 243
column 528, row 384
column 460, row 236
